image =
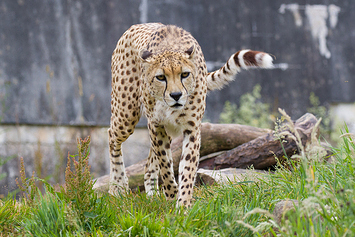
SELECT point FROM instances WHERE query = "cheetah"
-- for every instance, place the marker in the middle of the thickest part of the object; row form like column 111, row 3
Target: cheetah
column 160, row 70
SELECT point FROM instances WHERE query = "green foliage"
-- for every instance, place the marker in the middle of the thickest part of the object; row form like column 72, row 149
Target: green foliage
column 215, row 213
column 229, row 113
column 11, row 215
column 250, row 112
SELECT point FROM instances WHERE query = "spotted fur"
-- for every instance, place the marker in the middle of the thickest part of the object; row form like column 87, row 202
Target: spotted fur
column 161, row 71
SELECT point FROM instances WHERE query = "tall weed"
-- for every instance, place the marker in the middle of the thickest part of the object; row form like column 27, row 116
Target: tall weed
column 92, row 210
column 78, row 181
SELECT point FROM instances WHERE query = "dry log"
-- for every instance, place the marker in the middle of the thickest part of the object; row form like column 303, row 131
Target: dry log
column 214, row 138
column 261, row 152
column 218, row 137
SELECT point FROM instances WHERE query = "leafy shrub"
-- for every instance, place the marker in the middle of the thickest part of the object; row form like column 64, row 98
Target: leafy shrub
column 250, row 112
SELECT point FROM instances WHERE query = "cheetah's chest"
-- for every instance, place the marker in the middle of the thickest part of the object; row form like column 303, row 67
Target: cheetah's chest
column 173, row 120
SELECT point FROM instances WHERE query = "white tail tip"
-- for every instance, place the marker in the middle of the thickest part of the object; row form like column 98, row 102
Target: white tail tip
column 264, row 60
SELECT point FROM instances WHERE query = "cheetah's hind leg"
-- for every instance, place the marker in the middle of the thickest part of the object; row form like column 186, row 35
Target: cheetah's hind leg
column 118, row 179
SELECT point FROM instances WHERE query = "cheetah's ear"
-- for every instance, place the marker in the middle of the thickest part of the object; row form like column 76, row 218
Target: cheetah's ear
column 190, row 51
column 145, row 54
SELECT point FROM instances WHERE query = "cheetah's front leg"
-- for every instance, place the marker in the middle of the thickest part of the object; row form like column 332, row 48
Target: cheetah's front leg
column 151, row 173
column 160, row 160
column 188, row 166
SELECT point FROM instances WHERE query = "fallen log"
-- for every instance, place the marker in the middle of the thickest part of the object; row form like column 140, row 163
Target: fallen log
column 260, row 153
column 214, row 138
column 248, row 147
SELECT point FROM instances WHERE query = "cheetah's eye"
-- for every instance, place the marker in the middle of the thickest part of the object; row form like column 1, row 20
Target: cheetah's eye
column 160, row 78
column 184, row 75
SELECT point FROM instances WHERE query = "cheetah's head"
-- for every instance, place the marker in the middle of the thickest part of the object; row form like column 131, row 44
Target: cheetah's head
column 169, row 76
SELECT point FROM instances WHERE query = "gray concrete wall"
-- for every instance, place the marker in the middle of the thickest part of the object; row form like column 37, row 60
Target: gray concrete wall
column 55, row 64
column 55, row 55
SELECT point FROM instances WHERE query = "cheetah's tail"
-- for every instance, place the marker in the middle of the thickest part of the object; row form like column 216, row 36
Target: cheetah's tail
column 243, row 59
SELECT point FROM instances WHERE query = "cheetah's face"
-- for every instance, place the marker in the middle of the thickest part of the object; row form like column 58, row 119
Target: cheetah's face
column 170, row 77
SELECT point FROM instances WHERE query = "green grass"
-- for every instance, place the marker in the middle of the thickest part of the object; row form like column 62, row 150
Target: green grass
column 325, row 192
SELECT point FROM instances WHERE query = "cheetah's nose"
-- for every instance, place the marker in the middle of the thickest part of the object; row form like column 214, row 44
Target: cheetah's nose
column 176, row 95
